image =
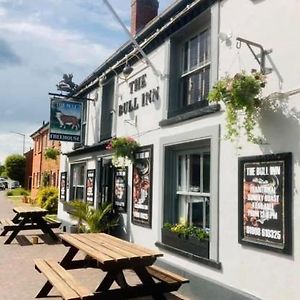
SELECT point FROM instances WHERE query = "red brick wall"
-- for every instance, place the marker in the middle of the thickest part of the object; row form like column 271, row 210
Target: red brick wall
column 142, row 12
column 28, row 169
column 40, row 164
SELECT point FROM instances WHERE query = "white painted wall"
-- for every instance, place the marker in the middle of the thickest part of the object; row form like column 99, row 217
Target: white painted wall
column 275, row 25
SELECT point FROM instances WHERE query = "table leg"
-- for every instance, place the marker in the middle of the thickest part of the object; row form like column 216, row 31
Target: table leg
column 45, row 290
column 44, row 227
column 66, row 261
column 16, row 218
column 16, row 231
column 106, row 282
column 148, row 281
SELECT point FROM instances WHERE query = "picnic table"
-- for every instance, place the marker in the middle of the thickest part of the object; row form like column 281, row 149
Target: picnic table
column 28, row 218
column 112, row 255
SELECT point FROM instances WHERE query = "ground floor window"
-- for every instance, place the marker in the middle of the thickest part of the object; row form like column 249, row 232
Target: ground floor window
column 187, row 197
column 77, row 182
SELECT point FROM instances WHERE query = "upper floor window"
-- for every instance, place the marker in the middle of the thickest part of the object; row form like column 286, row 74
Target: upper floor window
column 190, row 66
column 196, row 68
column 106, row 109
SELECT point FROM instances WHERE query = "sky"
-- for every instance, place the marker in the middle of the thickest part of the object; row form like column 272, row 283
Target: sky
column 40, row 40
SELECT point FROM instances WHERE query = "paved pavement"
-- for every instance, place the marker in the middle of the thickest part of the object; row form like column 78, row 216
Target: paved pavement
column 18, row 277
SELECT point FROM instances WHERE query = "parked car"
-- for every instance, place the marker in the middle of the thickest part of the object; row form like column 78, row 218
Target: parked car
column 15, row 184
column 2, row 186
column 4, row 182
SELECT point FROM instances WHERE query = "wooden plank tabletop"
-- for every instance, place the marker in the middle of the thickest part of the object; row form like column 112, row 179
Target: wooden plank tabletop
column 29, row 209
column 108, row 249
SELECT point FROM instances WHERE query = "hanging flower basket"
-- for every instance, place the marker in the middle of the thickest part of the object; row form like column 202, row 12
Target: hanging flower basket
column 241, row 95
column 124, row 149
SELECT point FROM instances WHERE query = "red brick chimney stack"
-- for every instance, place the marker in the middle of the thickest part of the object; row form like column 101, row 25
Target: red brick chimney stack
column 142, row 12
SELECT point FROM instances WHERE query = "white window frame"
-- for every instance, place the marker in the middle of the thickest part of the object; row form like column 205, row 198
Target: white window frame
column 200, row 67
column 184, row 191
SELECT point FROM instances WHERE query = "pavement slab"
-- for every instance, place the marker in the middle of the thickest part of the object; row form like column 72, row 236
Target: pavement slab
column 18, row 277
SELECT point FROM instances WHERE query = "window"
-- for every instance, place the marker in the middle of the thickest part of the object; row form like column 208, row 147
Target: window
column 106, row 110
column 191, row 65
column 196, row 68
column 193, row 186
column 191, row 193
column 77, row 181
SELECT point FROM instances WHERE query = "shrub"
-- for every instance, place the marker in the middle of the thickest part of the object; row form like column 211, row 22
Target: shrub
column 47, row 197
column 18, row 192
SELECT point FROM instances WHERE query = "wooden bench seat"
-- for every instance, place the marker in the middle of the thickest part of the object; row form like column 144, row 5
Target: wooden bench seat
column 7, row 224
column 62, row 280
column 52, row 223
column 166, row 276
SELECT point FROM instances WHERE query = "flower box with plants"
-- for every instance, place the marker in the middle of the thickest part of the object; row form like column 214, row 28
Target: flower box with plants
column 124, row 150
column 188, row 238
column 242, row 96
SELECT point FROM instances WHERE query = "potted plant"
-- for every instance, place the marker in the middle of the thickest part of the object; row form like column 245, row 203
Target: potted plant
column 188, row 238
column 124, row 149
column 240, row 93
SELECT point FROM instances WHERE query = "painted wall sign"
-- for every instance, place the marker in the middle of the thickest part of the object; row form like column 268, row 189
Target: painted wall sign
column 265, row 186
column 142, row 187
column 65, row 120
column 63, row 186
column 90, row 186
column 120, row 189
column 146, row 98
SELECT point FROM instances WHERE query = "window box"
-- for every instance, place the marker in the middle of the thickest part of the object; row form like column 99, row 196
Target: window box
column 187, row 244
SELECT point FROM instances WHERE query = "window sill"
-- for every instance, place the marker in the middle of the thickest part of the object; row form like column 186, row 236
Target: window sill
column 202, row 111
column 209, row 262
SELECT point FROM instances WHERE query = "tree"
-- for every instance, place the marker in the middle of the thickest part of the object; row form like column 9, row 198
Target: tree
column 15, row 167
column 2, row 171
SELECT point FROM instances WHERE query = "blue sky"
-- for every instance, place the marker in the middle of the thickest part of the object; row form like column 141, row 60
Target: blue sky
column 40, row 40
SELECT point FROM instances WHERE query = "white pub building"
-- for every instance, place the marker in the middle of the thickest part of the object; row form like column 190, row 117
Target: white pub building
column 242, row 195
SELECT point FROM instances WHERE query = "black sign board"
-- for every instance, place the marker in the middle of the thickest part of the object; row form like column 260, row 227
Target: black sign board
column 120, row 189
column 63, row 186
column 142, row 187
column 265, row 185
column 90, row 186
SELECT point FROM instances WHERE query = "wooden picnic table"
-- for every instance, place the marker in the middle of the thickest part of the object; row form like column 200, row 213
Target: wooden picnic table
column 113, row 256
column 28, row 218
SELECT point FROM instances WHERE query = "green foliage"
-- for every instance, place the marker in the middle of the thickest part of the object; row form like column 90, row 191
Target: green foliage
column 18, row 192
column 241, row 93
column 15, row 167
column 93, row 220
column 187, row 230
column 9, row 193
column 51, row 153
column 46, row 178
column 47, row 197
column 2, row 171
column 123, row 147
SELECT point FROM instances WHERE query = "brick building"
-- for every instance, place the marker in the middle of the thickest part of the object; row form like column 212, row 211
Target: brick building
column 28, row 169
column 44, row 171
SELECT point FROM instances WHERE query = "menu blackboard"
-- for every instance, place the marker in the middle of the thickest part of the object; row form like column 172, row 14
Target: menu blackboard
column 265, row 201
column 63, row 186
column 90, row 186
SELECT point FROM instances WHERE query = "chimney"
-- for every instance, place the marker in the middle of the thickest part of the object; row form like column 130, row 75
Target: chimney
column 142, row 12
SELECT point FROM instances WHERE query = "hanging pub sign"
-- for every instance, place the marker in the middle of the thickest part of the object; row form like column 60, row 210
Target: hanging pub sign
column 63, row 186
column 265, row 188
column 142, row 187
column 65, row 120
column 120, row 189
column 90, row 186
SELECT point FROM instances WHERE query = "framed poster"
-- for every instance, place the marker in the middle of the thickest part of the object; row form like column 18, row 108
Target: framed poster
column 90, row 186
column 265, row 189
column 142, row 187
column 65, row 120
column 63, row 186
column 120, row 189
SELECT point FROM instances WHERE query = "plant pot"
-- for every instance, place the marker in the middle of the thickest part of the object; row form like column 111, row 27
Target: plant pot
column 188, row 244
